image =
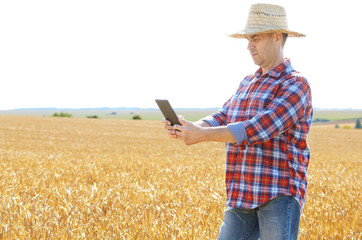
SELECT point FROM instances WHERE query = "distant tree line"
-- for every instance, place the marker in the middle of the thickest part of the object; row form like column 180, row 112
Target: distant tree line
column 318, row 120
column 62, row 114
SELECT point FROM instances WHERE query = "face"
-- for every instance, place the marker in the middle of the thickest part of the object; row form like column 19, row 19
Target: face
column 264, row 49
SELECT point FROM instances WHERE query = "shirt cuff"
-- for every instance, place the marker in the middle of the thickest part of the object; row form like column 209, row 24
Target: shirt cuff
column 238, row 131
column 212, row 121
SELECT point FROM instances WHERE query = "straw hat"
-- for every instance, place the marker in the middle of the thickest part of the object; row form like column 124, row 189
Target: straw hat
column 266, row 18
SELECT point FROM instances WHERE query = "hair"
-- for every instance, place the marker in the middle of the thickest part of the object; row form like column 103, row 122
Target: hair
column 285, row 36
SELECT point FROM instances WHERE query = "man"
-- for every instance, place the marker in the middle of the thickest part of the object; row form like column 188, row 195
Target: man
column 265, row 126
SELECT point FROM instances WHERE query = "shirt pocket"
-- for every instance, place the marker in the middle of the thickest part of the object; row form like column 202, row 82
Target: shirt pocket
column 236, row 112
column 259, row 100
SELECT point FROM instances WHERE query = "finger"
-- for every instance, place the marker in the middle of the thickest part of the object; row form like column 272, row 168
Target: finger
column 172, row 135
column 165, row 121
column 177, row 128
column 183, row 121
column 168, row 127
column 167, row 124
column 171, row 131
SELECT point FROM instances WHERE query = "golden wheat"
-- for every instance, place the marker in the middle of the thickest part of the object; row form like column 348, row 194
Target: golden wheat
column 117, row 179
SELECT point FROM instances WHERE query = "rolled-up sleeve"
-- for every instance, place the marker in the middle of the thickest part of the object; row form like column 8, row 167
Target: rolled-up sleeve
column 238, row 131
column 211, row 121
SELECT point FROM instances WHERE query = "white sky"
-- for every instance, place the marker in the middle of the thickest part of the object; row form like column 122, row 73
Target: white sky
column 84, row 53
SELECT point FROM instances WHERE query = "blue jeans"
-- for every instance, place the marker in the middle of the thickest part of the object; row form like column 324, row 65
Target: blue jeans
column 277, row 219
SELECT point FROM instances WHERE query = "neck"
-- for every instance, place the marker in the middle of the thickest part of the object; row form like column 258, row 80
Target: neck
column 273, row 63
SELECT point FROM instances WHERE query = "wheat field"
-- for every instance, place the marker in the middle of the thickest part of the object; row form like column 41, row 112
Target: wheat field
column 73, row 178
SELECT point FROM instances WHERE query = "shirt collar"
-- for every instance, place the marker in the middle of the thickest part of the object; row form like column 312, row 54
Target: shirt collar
column 285, row 66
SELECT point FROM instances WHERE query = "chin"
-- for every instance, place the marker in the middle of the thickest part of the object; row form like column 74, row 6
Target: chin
column 256, row 62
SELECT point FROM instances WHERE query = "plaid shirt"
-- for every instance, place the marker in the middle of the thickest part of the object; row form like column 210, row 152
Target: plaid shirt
column 276, row 111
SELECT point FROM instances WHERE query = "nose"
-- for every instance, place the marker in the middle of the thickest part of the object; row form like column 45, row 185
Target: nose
column 250, row 45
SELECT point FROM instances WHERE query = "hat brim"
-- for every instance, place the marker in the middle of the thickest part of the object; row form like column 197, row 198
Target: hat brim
column 244, row 34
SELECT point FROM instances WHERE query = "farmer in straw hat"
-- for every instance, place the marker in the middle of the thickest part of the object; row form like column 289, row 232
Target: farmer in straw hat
column 264, row 124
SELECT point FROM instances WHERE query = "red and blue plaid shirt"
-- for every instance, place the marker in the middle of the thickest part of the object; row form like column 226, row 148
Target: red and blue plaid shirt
column 276, row 111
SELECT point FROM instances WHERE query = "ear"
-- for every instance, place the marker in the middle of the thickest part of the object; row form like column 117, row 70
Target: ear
column 278, row 37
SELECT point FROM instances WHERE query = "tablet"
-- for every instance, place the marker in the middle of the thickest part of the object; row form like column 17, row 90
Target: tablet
column 167, row 111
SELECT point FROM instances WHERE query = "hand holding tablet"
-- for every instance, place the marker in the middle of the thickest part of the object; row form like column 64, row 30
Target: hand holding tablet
column 167, row 111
